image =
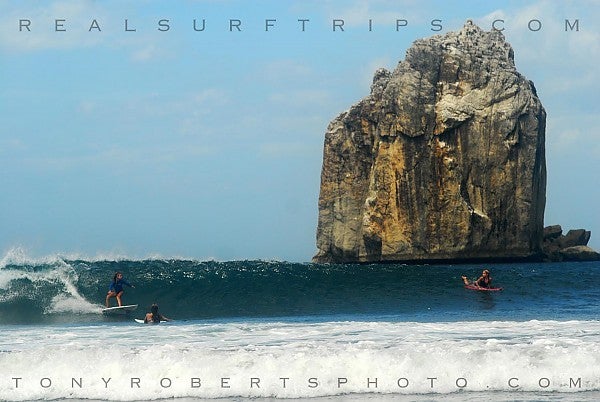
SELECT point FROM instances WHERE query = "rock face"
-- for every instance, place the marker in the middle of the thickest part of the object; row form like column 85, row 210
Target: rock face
column 569, row 247
column 444, row 160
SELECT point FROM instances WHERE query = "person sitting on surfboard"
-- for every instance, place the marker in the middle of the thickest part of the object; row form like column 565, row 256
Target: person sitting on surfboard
column 116, row 289
column 154, row 316
column 484, row 281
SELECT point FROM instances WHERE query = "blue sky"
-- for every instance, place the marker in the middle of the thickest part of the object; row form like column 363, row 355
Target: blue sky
column 209, row 144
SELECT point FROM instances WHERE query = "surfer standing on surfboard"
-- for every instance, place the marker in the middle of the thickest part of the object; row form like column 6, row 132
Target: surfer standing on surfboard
column 484, row 281
column 116, row 288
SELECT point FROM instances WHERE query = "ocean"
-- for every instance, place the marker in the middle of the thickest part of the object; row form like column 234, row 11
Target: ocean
column 272, row 329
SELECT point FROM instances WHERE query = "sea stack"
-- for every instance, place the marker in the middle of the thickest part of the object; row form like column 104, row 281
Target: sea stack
column 443, row 161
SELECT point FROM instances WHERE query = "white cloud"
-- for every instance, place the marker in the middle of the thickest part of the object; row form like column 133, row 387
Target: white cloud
column 147, row 53
column 381, row 12
column 286, row 149
column 87, row 107
column 370, row 68
column 209, row 96
column 562, row 141
column 45, row 19
column 118, row 158
column 573, row 55
column 160, row 105
column 81, row 24
column 9, row 146
column 283, row 69
column 300, row 98
column 572, row 133
column 562, row 63
column 194, row 109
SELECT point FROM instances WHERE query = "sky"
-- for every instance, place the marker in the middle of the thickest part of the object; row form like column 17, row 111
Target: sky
column 125, row 130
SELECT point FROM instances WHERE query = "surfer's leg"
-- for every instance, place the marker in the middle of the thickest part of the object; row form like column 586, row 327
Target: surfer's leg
column 465, row 280
column 108, row 296
column 119, row 298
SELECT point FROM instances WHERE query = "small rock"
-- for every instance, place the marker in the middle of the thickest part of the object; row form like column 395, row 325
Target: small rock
column 579, row 253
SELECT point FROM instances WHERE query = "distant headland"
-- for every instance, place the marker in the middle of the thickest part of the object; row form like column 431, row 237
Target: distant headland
column 443, row 161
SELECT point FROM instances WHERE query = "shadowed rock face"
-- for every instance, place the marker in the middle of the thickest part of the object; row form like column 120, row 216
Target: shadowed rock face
column 444, row 160
column 569, row 247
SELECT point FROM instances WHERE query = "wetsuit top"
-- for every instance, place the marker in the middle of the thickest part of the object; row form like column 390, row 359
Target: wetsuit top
column 118, row 285
column 156, row 318
column 482, row 283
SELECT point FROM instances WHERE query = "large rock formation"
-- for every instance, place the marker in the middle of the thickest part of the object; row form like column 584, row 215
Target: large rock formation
column 570, row 247
column 444, row 160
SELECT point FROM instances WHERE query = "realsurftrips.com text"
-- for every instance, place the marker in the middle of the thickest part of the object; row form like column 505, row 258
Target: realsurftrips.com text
column 272, row 25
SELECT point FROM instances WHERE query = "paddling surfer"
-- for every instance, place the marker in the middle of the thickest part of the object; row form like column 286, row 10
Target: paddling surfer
column 154, row 316
column 484, row 281
column 116, row 289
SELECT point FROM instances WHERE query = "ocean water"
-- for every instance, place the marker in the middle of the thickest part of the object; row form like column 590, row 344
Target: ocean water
column 270, row 330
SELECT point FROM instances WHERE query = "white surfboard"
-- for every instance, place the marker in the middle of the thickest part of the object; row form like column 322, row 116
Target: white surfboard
column 120, row 310
column 142, row 321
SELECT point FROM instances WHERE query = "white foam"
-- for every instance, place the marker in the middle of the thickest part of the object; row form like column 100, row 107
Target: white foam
column 70, row 301
column 14, row 256
column 366, row 357
column 61, row 273
column 19, row 256
column 74, row 304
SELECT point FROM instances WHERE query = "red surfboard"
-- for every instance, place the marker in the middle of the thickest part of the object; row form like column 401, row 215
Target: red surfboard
column 474, row 287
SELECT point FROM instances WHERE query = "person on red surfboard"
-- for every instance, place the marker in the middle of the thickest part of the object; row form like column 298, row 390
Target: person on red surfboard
column 484, row 281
